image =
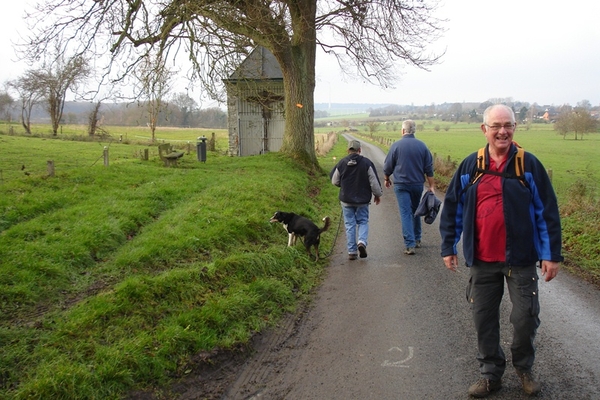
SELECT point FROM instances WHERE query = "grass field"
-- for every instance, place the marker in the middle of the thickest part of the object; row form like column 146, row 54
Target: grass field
column 569, row 160
column 113, row 279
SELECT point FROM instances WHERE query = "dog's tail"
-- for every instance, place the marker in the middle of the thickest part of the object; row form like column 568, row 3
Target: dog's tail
column 326, row 226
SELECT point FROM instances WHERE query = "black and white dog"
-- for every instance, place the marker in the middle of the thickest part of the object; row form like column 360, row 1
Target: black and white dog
column 297, row 225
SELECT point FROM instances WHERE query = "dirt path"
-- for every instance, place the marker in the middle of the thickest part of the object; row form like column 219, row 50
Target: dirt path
column 393, row 326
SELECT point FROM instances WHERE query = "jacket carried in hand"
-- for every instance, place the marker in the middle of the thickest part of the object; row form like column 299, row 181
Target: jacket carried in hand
column 533, row 230
column 428, row 207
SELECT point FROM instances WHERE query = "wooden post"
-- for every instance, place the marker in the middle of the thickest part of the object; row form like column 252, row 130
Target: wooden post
column 50, row 167
column 550, row 174
column 106, row 156
column 145, row 154
column 212, row 143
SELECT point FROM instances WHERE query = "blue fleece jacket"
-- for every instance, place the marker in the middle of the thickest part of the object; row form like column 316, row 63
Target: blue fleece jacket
column 408, row 161
column 533, row 230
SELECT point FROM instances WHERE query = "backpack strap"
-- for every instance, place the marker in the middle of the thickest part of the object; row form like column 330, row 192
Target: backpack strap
column 482, row 163
column 480, row 166
column 520, row 163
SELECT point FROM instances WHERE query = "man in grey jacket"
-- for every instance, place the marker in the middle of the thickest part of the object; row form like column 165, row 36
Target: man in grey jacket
column 357, row 179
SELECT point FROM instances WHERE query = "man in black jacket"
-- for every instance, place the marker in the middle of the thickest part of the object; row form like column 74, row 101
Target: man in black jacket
column 357, row 179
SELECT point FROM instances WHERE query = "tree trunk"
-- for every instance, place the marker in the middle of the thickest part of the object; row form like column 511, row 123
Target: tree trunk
column 297, row 64
column 298, row 140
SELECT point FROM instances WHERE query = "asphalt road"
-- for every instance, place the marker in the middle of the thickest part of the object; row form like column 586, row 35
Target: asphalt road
column 393, row 326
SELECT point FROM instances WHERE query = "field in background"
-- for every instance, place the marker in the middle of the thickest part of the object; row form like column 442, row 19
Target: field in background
column 570, row 160
column 125, row 133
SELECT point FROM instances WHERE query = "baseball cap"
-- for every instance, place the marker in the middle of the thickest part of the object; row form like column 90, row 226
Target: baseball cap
column 354, row 145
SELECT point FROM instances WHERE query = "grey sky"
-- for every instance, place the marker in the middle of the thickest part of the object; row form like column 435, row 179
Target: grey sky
column 529, row 50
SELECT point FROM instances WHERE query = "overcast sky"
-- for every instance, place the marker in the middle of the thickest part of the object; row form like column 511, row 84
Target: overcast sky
column 529, row 50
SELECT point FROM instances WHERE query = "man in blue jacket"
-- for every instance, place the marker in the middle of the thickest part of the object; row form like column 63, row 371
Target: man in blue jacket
column 507, row 225
column 357, row 179
column 408, row 163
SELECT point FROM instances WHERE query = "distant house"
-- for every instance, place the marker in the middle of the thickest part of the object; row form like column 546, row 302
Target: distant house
column 255, row 105
column 546, row 115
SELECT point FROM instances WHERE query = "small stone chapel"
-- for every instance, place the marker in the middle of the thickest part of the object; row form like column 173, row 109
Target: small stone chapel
column 255, row 105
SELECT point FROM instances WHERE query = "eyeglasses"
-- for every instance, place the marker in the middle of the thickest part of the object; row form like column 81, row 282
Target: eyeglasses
column 496, row 128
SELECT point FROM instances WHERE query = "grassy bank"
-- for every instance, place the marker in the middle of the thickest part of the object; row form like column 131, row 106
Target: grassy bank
column 113, row 278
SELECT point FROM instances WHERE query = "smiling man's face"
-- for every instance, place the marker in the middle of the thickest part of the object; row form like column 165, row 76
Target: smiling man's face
column 499, row 129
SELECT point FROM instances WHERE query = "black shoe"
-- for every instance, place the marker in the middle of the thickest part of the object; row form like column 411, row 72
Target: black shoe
column 352, row 257
column 362, row 249
column 484, row 387
column 530, row 385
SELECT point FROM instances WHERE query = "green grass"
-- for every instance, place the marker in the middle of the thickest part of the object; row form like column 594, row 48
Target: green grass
column 113, row 278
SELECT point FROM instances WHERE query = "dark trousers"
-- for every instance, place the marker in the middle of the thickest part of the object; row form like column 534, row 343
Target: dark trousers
column 484, row 293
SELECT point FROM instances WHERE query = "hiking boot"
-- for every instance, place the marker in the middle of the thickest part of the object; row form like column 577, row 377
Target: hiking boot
column 530, row 385
column 418, row 244
column 352, row 256
column 362, row 249
column 409, row 251
column 484, row 387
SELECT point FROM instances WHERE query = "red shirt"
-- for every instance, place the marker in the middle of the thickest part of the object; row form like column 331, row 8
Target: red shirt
column 490, row 231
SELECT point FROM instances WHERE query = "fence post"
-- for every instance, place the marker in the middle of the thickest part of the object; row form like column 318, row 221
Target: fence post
column 106, row 156
column 550, row 174
column 50, row 167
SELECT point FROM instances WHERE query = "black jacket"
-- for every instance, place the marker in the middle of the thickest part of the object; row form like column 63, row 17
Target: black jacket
column 357, row 178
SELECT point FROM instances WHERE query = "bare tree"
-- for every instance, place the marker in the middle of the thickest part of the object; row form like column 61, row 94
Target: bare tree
column 582, row 122
column 30, row 95
column 577, row 120
column 563, row 122
column 368, row 38
column 55, row 79
column 184, row 107
column 94, row 119
column 373, row 126
column 456, row 111
column 6, row 103
column 154, row 82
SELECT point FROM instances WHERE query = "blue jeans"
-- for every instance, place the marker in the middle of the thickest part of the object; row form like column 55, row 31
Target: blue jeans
column 484, row 293
column 409, row 197
column 356, row 221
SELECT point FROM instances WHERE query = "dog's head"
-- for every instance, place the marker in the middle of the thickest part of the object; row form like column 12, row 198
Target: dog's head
column 277, row 217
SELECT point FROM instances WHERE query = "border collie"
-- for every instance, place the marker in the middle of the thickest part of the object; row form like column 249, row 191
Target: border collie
column 297, row 225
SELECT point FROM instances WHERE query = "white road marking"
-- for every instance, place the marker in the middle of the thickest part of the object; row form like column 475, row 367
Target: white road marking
column 400, row 364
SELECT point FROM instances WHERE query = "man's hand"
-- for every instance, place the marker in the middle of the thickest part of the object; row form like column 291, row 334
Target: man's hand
column 451, row 262
column 377, row 200
column 550, row 269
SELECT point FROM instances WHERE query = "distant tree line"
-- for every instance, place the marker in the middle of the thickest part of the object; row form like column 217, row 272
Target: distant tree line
column 578, row 120
column 179, row 111
column 40, row 94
